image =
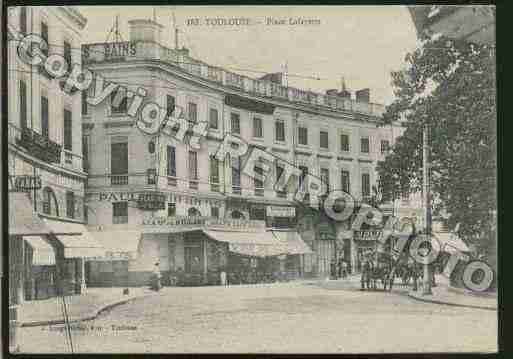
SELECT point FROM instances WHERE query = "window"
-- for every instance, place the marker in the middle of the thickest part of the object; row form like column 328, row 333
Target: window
column 302, row 134
column 119, row 212
column 214, row 212
column 279, row 132
column 85, row 105
column 119, row 163
column 118, row 102
column 385, row 145
column 171, row 161
column 171, row 209
column 170, row 105
column 214, row 174
column 236, row 175
column 47, row 201
column 70, row 205
column 302, row 177
column 344, row 181
column 44, row 117
column 192, row 111
column 193, row 169
column 279, row 172
column 324, row 139
column 23, row 20
column 85, row 153
column 68, row 130
column 259, row 184
column 235, row 123
column 344, row 142
column 364, row 145
column 67, row 54
column 257, row 127
column 325, row 177
column 23, row 104
column 214, row 119
column 44, row 35
column 365, row 185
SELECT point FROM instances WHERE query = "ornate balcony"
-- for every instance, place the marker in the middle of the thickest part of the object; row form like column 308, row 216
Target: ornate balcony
column 38, row 145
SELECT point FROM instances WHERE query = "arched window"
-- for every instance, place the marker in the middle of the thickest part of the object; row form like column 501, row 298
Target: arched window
column 193, row 212
column 237, row 215
column 50, row 205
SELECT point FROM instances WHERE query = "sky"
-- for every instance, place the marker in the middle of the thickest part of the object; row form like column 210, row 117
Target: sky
column 363, row 44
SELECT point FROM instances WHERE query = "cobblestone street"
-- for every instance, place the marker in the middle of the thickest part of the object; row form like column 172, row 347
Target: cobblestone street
column 290, row 317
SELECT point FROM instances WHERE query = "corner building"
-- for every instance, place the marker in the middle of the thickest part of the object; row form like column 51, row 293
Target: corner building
column 48, row 240
column 154, row 199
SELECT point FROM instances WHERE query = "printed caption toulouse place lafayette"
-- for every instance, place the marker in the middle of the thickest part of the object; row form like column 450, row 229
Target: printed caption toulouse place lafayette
column 178, row 185
column 244, row 21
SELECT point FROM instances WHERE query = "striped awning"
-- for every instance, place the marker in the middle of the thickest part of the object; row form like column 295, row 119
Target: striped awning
column 255, row 244
column 76, row 239
column 42, row 252
column 293, row 241
column 118, row 244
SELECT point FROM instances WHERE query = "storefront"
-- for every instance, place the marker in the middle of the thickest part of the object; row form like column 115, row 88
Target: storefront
column 73, row 246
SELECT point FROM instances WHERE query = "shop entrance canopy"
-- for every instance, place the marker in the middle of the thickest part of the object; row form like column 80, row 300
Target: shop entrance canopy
column 255, row 244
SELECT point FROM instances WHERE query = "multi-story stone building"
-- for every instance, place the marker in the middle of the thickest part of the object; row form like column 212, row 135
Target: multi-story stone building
column 142, row 189
column 48, row 238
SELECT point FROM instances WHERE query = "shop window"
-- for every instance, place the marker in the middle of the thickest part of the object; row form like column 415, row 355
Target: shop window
column 214, row 212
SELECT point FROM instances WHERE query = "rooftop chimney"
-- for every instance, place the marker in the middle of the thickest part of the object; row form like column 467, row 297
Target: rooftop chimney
column 145, row 30
column 363, row 95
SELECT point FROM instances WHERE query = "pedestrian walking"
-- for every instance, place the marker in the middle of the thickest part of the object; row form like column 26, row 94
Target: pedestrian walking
column 156, row 284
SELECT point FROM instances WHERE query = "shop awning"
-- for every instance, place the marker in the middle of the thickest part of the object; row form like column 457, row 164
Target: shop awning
column 22, row 218
column 118, row 245
column 76, row 239
column 255, row 244
column 43, row 253
column 450, row 242
column 293, row 241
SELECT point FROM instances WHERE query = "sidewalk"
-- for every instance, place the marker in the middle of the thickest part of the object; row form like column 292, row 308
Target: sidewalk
column 444, row 294
column 79, row 307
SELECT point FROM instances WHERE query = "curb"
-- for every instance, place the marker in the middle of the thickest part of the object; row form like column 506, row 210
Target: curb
column 434, row 301
column 95, row 313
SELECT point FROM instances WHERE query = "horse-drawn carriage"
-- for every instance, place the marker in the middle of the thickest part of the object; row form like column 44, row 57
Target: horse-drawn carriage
column 382, row 264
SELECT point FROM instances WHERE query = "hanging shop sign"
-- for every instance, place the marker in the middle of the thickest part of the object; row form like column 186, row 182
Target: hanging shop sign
column 24, row 183
column 151, row 201
column 368, row 235
column 277, row 211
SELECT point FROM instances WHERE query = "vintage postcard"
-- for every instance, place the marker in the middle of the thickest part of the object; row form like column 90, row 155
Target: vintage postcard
column 251, row 179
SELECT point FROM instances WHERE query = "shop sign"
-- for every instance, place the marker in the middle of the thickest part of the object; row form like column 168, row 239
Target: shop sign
column 175, row 221
column 151, row 201
column 277, row 211
column 368, row 235
column 108, row 51
column 24, row 183
column 114, row 256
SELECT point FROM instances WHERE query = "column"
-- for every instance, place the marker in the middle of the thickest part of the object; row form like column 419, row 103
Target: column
column 82, row 276
column 205, row 261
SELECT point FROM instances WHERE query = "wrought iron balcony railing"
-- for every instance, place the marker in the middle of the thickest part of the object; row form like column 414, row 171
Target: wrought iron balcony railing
column 37, row 145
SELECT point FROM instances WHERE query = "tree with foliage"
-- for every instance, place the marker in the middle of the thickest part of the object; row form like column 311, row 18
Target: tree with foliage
column 450, row 86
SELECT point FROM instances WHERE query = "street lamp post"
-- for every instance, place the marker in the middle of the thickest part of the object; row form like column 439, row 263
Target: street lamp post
column 426, row 285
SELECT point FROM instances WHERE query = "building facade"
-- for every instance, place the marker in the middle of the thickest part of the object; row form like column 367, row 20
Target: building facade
column 46, row 177
column 135, row 179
